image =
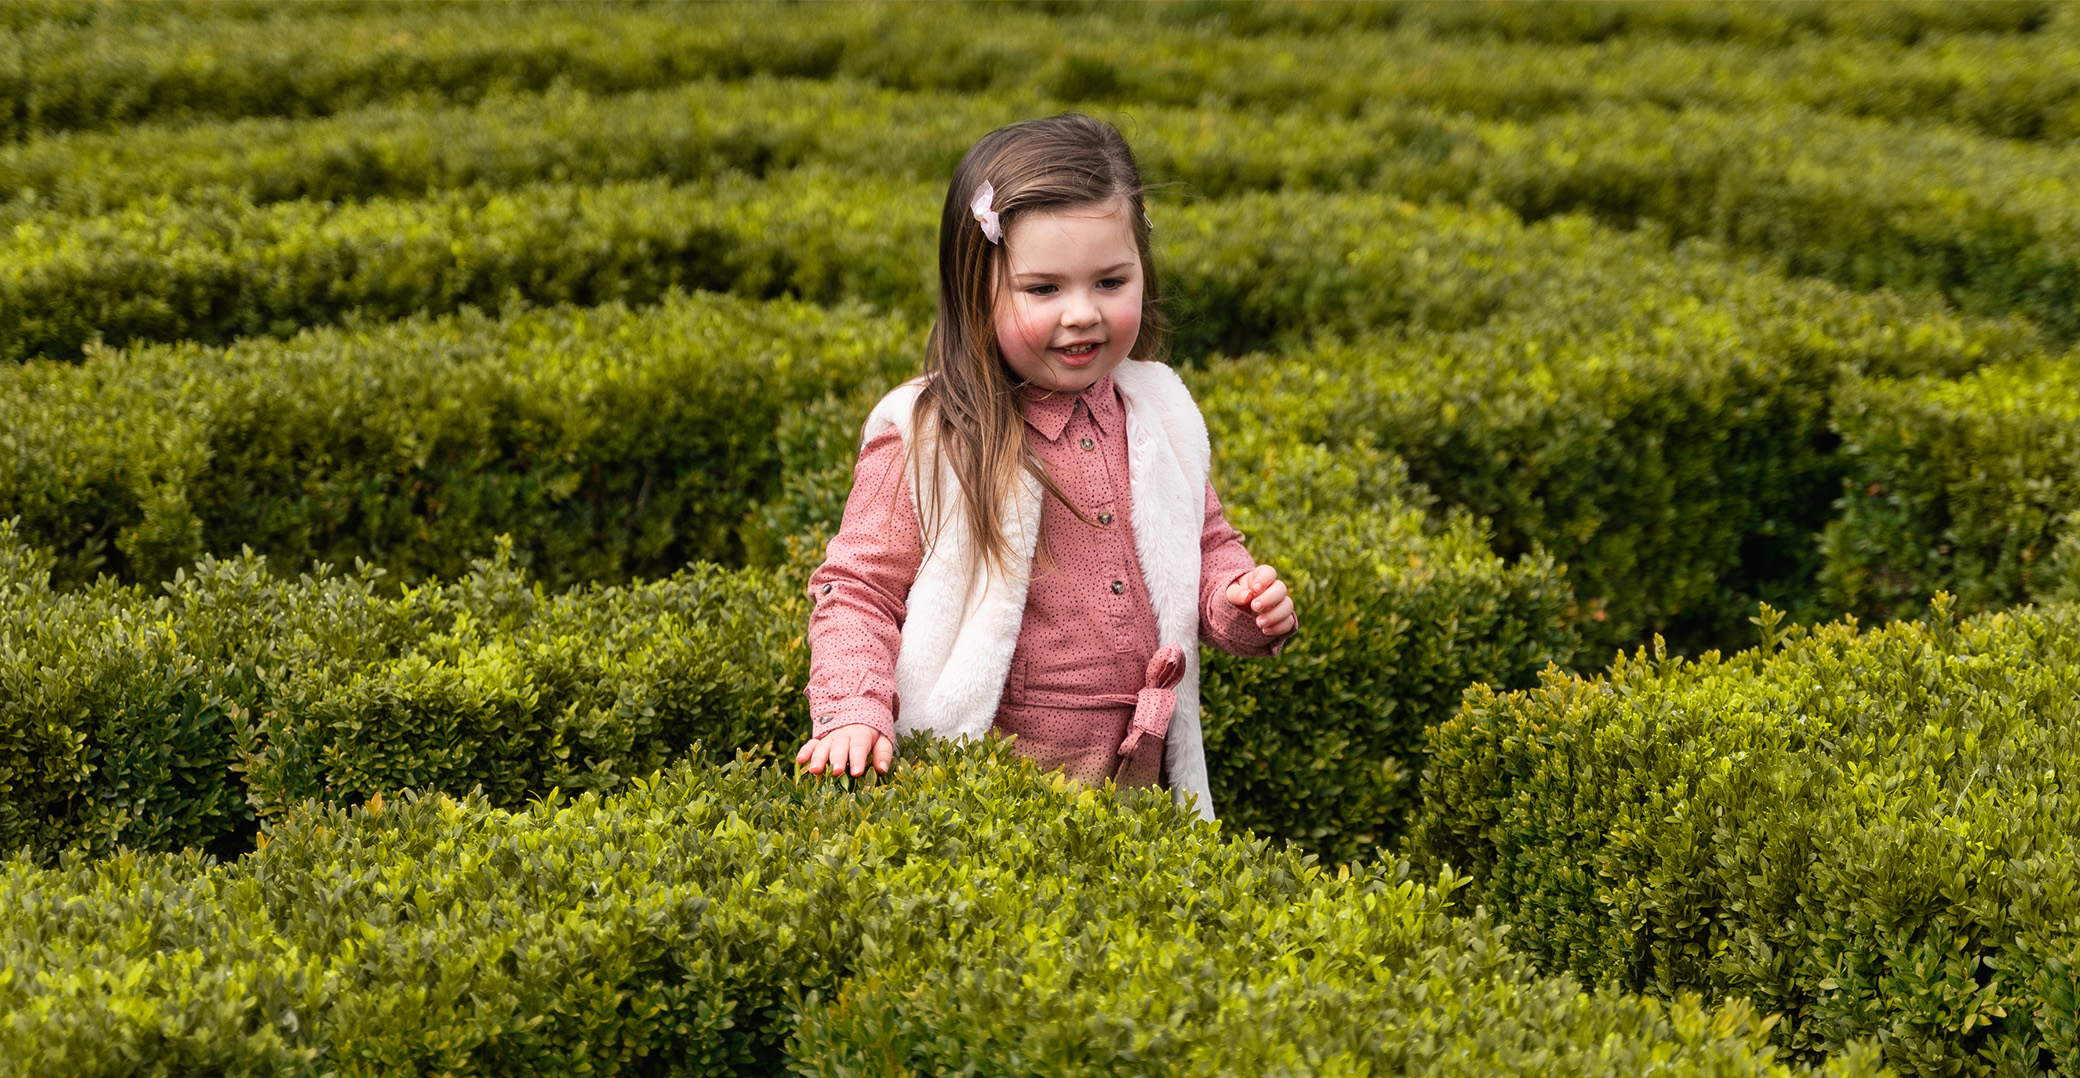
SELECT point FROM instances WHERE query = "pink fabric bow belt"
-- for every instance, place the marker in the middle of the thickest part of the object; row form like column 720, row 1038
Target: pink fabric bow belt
column 1157, row 701
column 1141, row 754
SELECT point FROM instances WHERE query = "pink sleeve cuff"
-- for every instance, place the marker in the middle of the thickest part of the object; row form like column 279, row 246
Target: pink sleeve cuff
column 831, row 714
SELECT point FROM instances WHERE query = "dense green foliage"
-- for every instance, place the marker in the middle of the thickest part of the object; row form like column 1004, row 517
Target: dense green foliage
column 1991, row 70
column 1869, row 834
column 157, row 721
column 732, row 920
column 1402, row 608
column 1989, row 223
column 1969, row 486
column 1864, row 202
column 168, row 271
column 1660, row 426
column 612, row 443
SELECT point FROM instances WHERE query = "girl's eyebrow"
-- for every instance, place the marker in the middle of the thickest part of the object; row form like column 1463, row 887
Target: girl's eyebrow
column 1115, row 268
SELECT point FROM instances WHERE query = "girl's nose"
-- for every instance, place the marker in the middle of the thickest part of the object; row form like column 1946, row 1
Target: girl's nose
column 1079, row 311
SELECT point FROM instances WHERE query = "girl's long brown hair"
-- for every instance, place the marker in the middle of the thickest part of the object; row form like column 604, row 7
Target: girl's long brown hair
column 969, row 408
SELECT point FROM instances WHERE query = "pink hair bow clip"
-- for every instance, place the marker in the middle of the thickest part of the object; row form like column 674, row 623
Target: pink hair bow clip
column 985, row 197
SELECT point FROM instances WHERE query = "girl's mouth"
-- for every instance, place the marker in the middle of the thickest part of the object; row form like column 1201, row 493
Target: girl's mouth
column 1078, row 354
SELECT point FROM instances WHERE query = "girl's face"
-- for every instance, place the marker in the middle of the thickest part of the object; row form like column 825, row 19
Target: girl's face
column 1069, row 308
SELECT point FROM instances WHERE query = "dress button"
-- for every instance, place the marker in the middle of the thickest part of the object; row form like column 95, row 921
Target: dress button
column 1119, row 587
column 1104, row 518
column 1088, row 445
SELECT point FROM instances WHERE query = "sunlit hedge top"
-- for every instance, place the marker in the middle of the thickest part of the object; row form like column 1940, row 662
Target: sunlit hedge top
column 1873, row 834
column 970, row 912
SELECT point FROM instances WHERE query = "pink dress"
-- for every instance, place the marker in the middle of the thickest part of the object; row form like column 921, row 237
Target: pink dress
column 1088, row 644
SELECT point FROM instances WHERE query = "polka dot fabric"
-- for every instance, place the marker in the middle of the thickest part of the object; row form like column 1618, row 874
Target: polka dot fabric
column 1089, row 632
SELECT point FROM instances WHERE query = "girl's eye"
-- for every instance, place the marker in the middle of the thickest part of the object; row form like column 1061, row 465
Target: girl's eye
column 1041, row 290
column 1112, row 283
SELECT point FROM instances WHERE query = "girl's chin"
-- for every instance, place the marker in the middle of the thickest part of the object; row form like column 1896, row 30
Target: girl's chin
column 1066, row 379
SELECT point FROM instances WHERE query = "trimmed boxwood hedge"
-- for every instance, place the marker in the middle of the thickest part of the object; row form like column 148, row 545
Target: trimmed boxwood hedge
column 1668, row 439
column 184, row 716
column 1977, row 71
column 1970, row 487
column 1401, row 607
column 968, row 912
column 1862, row 201
column 1870, row 834
column 615, row 443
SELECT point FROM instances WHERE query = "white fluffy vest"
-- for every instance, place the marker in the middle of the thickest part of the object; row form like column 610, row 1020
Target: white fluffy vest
column 961, row 629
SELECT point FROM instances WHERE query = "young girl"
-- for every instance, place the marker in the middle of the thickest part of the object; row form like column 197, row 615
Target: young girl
column 1031, row 544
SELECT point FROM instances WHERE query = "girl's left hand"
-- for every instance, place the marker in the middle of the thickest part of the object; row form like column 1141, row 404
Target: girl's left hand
column 1261, row 592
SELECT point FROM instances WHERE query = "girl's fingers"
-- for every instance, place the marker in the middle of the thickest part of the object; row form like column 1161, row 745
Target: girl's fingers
column 847, row 749
column 1251, row 584
column 1269, row 597
column 1277, row 620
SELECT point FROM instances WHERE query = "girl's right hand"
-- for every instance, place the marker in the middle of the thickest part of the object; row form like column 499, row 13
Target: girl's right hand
column 850, row 746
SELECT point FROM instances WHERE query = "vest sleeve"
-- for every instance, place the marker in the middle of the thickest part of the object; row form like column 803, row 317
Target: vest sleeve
column 1222, row 561
column 860, row 592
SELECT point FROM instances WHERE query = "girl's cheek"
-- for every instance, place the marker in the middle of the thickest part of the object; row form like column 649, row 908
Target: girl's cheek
column 1127, row 324
column 1014, row 328
column 1034, row 330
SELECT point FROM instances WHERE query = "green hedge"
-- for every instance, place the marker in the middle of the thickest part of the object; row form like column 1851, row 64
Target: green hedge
column 1400, row 609
column 323, row 60
column 1989, row 222
column 100, row 15
column 414, row 444
column 1970, row 487
column 1869, row 834
column 1240, row 270
column 165, row 271
column 734, row 920
column 1772, row 22
column 1769, row 22
column 682, row 133
column 614, row 443
column 158, row 721
column 409, row 150
column 1667, row 438
column 68, row 78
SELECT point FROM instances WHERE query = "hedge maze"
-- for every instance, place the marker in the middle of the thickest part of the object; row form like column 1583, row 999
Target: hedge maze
column 417, row 422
